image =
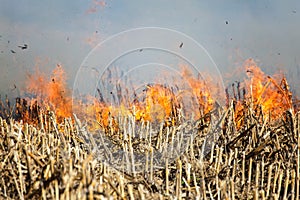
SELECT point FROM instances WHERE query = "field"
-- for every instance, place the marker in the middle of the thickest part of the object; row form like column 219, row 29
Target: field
column 254, row 154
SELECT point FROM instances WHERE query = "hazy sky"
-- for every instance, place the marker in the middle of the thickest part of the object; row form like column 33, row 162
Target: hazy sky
column 64, row 32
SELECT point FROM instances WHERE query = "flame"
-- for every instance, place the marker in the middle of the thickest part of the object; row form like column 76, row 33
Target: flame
column 50, row 93
column 269, row 94
column 201, row 89
column 160, row 103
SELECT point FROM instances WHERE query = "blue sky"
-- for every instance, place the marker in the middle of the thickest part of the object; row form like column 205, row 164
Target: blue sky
column 65, row 32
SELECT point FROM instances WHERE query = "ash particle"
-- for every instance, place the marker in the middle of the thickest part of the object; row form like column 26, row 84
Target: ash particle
column 181, row 45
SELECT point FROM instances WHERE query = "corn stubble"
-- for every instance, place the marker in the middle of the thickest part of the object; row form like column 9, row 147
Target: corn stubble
column 249, row 150
column 259, row 160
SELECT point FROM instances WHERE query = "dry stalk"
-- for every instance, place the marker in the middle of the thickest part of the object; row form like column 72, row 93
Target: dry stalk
column 249, row 177
column 257, row 178
column 232, row 189
column 243, row 168
column 279, row 182
column 50, row 161
column 167, row 177
column 178, row 178
column 293, row 185
column 286, row 184
column 269, row 179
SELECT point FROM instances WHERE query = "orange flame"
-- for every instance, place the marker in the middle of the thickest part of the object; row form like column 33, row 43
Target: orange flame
column 201, row 89
column 51, row 93
column 271, row 93
column 159, row 103
column 266, row 94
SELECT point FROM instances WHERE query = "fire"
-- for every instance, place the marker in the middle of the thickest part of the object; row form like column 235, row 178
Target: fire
column 159, row 104
column 50, row 93
column 202, row 91
column 267, row 94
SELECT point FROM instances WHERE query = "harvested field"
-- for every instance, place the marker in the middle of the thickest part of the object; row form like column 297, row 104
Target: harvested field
column 259, row 160
column 251, row 151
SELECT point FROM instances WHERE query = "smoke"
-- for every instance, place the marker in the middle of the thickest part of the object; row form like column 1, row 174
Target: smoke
column 231, row 31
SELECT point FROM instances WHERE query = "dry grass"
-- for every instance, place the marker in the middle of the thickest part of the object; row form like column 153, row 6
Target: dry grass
column 259, row 160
